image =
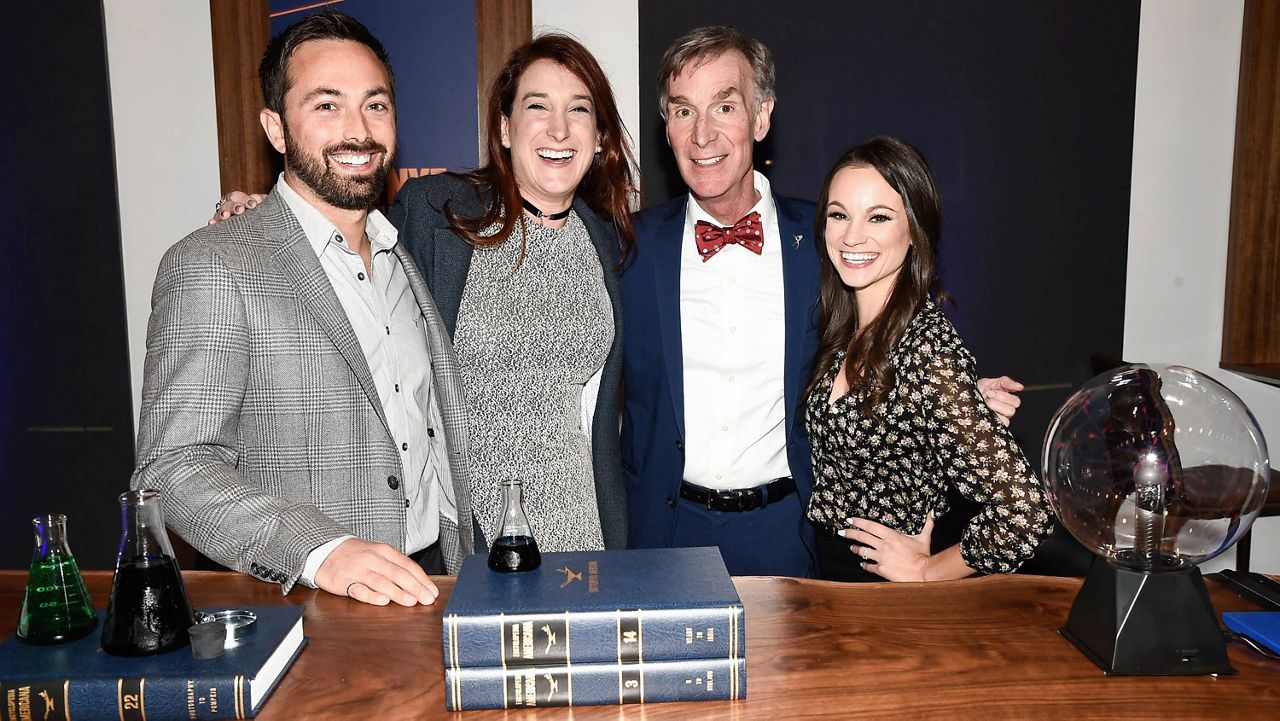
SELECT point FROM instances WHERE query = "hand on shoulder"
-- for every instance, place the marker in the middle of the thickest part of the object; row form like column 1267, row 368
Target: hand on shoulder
column 1000, row 395
column 235, row 203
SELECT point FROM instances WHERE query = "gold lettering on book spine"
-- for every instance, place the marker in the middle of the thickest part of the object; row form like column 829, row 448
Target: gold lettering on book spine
column 24, row 703
column 530, row 688
column 131, row 699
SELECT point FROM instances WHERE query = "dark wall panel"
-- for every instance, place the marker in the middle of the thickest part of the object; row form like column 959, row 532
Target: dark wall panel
column 66, row 432
column 1025, row 111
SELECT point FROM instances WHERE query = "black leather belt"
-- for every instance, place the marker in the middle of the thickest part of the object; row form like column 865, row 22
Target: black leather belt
column 737, row 500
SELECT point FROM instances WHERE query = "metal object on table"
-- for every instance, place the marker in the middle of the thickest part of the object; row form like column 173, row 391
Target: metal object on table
column 239, row 623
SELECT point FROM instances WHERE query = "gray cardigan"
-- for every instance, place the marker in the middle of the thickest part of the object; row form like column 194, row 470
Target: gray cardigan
column 444, row 257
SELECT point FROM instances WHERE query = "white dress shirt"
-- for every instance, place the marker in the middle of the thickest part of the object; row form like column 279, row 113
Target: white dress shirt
column 733, row 336
column 387, row 321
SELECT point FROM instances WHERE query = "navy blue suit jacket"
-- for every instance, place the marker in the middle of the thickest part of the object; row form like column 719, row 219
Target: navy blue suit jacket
column 653, row 429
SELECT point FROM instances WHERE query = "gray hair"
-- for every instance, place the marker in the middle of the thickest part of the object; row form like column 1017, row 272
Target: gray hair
column 705, row 44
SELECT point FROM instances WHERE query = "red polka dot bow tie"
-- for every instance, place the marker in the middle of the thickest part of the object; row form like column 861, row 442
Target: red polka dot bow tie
column 745, row 232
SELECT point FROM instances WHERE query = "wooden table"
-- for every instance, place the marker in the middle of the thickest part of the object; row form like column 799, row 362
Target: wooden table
column 982, row 648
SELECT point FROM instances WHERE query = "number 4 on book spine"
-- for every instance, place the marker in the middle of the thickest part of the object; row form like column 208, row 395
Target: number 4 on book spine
column 630, row 643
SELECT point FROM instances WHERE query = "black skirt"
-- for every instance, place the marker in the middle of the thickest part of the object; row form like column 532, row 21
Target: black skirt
column 837, row 563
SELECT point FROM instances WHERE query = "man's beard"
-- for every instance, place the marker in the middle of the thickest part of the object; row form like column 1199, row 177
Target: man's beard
column 349, row 192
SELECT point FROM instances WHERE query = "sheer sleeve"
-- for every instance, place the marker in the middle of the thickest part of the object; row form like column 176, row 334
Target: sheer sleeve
column 979, row 456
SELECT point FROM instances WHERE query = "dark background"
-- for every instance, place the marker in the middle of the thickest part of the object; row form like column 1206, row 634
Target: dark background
column 66, row 431
column 1025, row 112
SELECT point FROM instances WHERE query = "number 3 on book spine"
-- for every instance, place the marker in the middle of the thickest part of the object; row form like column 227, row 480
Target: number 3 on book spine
column 630, row 685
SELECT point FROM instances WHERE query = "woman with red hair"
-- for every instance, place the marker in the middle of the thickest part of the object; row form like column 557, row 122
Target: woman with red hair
column 521, row 257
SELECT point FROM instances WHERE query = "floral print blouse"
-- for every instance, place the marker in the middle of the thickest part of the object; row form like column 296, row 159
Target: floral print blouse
column 933, row 430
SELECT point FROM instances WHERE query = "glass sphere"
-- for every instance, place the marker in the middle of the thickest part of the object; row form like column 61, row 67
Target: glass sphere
column 1155, row 467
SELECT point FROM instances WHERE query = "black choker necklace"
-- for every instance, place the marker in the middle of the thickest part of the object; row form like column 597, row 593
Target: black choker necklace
column 533, row 210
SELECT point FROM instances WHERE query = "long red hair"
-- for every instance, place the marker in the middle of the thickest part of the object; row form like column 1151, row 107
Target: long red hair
column 609, row 184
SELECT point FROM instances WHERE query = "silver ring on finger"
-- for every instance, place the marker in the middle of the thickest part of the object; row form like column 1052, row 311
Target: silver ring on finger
column 217, row 207
column 863, row 552
column 349, row 585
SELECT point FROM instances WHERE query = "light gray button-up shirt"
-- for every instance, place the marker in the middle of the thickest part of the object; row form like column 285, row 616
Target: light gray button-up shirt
column 387, row 321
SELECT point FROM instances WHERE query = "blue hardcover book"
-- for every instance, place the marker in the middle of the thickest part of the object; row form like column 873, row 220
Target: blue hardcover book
column 1261, row 626
column 587, row 684
column 77, row 680
column 612, row 607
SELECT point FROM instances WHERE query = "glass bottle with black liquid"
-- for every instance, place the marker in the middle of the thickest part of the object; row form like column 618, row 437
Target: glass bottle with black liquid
column 514, row 549
column 149, row 611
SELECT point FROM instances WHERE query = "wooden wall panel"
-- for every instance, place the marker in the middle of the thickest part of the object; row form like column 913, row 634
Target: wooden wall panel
column 1251, row 322
column 241, row 29
column 501, row 26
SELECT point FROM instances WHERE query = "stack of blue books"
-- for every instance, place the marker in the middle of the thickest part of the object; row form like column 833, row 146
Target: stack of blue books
column 592, row 628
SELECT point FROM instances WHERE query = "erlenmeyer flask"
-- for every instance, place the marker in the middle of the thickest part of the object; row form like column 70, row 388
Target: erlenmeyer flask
column 56, row 607
column 148, row 611
column 514, row 548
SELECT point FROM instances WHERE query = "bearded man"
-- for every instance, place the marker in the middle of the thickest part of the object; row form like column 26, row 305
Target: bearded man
column 301, row 408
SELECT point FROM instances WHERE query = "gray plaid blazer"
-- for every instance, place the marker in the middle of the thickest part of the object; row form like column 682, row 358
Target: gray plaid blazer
column 260, row 419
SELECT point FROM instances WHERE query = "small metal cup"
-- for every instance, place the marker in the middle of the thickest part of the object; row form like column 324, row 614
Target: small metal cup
column 208, row 640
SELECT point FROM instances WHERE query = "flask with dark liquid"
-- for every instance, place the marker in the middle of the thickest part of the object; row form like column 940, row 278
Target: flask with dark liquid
column 56, row 606
column 514, row 549
column 148, row 611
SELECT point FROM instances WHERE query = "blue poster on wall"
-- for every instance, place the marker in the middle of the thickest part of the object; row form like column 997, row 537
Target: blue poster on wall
column 432, row 45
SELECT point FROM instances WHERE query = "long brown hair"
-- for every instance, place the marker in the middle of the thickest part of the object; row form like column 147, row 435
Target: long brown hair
column 607, row 187
column 867, row 365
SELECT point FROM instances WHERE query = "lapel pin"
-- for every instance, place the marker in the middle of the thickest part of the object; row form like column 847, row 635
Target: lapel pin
column 798, row 239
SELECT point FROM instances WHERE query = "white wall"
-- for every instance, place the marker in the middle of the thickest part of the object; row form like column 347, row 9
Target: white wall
column 611, row 31
column 1183, row 146
column 160, row 60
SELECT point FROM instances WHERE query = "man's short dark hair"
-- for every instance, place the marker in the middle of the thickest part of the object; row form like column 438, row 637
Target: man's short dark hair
column 324, row 25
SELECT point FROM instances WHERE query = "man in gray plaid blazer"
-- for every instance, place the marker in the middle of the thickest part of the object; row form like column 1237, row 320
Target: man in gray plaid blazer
column 301, row 405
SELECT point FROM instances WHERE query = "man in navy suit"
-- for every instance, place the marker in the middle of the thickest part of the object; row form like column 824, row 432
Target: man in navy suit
column 720, row 328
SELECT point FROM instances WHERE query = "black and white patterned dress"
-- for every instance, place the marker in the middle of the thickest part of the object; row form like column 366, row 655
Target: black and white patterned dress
column 528, row 339
column 933, row 430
